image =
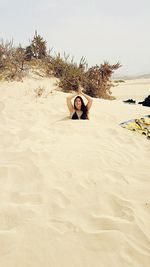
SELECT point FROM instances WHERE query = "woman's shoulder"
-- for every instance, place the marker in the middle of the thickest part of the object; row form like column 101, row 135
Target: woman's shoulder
column 72, row 112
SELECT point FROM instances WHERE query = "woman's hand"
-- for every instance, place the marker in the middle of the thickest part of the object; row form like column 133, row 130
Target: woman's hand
column 80, row 90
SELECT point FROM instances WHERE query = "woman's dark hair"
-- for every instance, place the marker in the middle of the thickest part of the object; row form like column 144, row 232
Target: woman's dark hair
column 83, row 107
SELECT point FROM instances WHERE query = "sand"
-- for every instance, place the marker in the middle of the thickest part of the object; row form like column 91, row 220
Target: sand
column 72, row 193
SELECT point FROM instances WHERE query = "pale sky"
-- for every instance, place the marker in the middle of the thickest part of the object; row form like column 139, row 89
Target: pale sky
column 99, row 30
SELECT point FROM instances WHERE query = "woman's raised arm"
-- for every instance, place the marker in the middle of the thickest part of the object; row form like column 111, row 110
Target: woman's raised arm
column 89, row 99
column 69, row 103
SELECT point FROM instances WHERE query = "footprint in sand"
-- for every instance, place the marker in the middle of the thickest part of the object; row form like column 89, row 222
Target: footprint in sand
column 20, row 198
column 57, row 204
column 63, row 226
column 12, row 217
column 21, row 174
column 115, row 207
column 59, row 197
column 121, row 208
column 116, row 177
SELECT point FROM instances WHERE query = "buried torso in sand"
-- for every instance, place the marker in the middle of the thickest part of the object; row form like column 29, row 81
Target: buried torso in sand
column 79, row 110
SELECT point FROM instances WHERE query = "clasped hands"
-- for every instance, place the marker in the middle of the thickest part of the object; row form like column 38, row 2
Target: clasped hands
column 80, row 89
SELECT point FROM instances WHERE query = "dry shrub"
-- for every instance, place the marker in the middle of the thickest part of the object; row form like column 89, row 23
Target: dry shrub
column 14, row 61
column 17, row 62
column 11, row 61
column 40, row 91
column 119, row 81
column 38, row 46
column 40, row 67
column 97, row 80
column 69, row 72
column 59, row 65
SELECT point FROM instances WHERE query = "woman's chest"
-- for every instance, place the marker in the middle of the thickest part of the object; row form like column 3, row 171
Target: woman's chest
column 79, row 113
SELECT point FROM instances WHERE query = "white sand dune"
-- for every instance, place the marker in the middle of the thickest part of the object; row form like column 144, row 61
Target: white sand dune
column 136, row 89
column 72, row 193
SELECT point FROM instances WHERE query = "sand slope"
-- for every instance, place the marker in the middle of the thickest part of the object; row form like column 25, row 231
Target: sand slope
column 72, row 193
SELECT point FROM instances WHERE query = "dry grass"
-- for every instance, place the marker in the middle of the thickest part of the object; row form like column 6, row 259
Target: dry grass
column 40, row 91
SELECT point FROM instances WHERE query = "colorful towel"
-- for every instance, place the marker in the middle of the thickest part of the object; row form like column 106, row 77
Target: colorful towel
column 140, row 125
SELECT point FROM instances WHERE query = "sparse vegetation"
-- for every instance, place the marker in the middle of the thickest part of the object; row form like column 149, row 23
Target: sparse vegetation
column 71, row 74
column 40, row 91
column 97, row 82
column 38, row 47
column 119, row 81
column 16, row 62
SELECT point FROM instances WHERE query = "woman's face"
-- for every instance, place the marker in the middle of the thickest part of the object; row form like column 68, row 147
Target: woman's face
column 78, row 103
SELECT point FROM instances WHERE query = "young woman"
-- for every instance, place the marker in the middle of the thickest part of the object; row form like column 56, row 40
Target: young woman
column 79, row 111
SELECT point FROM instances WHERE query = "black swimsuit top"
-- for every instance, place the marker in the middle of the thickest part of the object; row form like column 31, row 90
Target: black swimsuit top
column 75, row 116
